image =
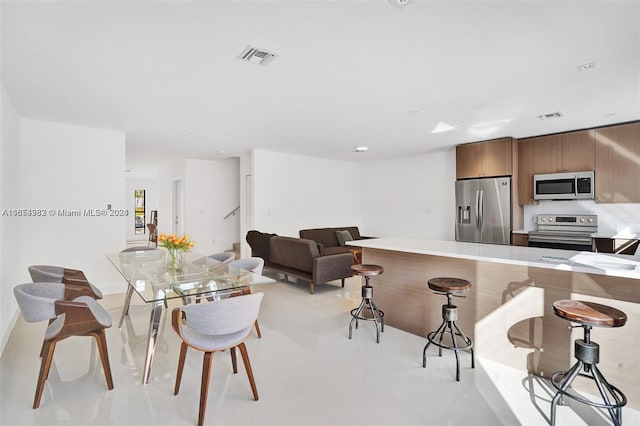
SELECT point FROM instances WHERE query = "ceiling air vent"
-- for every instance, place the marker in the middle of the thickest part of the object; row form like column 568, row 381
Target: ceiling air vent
column 257, row 56
column 550, row 116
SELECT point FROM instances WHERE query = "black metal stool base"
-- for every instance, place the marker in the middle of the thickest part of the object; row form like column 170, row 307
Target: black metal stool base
column 448, row 325
column 367, row 304
column 587, row 353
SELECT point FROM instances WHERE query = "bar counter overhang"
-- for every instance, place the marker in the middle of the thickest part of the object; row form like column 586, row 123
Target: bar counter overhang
column 508, row 312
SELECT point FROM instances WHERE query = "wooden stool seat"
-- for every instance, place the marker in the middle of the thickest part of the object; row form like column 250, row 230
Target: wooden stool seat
column 589, row 313
column 449, row 285
column 367, row 270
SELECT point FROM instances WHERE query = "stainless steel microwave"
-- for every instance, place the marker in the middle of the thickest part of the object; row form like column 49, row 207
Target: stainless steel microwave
column 564, row 186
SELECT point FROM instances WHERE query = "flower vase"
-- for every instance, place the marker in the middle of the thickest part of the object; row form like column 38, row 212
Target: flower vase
column 174, row 259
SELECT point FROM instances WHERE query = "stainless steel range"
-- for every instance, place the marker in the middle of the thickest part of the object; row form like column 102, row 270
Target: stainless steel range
column 569, row 232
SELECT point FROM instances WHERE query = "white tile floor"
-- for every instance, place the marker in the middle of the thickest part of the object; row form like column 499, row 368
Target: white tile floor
column 307, row 372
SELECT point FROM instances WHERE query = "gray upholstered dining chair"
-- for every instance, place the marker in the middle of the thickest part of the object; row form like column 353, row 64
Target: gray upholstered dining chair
column 80, row 316
column 137, row 248
column 212, row 327
column 59, row 274
column 224, row 257
column 255, row 265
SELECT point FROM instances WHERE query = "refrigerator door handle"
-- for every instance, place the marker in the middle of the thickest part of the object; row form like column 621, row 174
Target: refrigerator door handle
column 480, row 208
column 477, row 209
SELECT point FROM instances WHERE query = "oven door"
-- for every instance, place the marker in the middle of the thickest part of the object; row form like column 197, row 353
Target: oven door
column 560, row 241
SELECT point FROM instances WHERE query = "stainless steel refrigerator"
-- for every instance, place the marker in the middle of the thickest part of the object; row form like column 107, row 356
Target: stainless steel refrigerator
column 483, row 210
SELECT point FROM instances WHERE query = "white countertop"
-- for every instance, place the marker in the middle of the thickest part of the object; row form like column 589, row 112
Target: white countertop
column 619, row 235
column 566, row 260
column 520, row 231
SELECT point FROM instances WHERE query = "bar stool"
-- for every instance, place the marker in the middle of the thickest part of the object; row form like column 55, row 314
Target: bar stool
column 367, row 271
column 450, row 287
column 587, row 352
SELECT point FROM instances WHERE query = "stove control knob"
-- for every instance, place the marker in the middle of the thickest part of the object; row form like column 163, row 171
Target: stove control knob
column 543, row 219
column 582, row 219
column 590, row 220
column 550, row 218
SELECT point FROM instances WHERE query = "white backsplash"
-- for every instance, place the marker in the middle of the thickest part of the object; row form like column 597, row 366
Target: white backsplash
column 612, row 218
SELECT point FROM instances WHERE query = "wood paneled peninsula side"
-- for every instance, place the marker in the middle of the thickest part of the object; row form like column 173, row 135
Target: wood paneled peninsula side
column 508, row 312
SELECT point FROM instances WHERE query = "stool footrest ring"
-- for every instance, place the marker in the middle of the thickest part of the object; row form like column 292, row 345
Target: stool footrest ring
column 556, row 381
column 467, row 341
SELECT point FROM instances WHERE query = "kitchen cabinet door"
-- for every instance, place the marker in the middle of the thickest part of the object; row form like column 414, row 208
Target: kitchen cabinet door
column 484, row 159
column 617, row 152
column 496, row 157
column 520, row 240
column 526, row 170
column 578, row 151
column 469, row 161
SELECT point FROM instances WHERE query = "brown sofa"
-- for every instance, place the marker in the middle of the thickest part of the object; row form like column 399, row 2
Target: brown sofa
column 299, row 258
column 327, row 238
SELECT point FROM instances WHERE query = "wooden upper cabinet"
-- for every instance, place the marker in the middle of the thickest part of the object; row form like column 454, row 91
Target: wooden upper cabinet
column 579, row 151
column 484, row 159
column 526, row 170
column 617, row 151
column 566, row 152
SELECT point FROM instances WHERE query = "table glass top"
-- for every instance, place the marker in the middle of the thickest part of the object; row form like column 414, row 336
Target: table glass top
column 147, row 273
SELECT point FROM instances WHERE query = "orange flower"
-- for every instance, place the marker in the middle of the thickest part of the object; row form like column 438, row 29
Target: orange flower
column 171, row 241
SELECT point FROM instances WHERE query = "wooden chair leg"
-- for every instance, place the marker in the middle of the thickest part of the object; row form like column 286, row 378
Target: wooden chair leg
column 47, row 356
column 101, row 340
column 204, row 387
column 343, row 283
column 234, row 362
column 247, row 366
column 258, row 329
column 181, row 358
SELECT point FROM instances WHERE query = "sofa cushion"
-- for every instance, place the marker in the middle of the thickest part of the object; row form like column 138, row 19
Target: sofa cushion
column 296, row 253
column 343, row 236
column 326, row 251
column 327, row 236
column 323, row 236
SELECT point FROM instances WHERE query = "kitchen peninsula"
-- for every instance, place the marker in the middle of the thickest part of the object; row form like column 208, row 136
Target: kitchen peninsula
column 508, row 312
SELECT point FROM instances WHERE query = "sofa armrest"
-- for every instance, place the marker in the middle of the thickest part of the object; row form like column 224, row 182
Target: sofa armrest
column 332, row 267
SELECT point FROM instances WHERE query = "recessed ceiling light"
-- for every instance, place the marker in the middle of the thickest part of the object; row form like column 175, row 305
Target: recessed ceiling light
column 586, row 67
column 186, row 133
column 442, row 127
column 399, row 3
column 361, row 148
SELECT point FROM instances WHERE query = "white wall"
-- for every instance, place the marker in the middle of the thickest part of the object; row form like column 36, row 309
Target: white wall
column 211, row 191
column 71, row 167
column 10, row 241
column 411, row 197
column 294, row 192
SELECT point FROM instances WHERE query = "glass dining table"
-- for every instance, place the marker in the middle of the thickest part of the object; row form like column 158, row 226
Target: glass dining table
column 200, row 277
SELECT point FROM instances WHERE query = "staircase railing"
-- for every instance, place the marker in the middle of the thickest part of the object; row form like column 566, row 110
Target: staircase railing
column 232, row 212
